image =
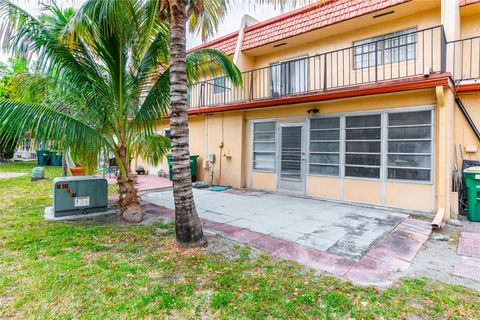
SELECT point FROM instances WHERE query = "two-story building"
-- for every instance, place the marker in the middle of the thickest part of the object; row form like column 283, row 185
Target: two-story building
column 351, row 101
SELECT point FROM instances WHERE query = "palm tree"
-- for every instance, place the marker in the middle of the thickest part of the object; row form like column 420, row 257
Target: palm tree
column 109, row 66
column 204, row 17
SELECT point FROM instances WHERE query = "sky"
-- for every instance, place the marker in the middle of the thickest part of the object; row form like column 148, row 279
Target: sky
column 230, row 24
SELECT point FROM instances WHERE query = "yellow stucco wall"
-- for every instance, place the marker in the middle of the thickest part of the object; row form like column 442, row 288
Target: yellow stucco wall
column 219, row 134
column 323, row 187
column 363, row 190
column 412, row 196
column 263, row 181
column 470, row 26
column 464, row 134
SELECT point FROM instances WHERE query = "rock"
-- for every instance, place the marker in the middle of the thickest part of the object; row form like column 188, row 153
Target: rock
column 455, row 223
column 438, row 236
column 133, row 214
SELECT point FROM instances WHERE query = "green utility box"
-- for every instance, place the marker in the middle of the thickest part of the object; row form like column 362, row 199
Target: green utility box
column 79, row 195
column 43, row 157
column 472, row 182
column 193, row 167
column 56, row 157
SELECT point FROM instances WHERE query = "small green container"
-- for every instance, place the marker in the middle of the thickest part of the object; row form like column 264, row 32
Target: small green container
column 193, row 167
column 56, row 157
column 43, row 157
column 472, row 182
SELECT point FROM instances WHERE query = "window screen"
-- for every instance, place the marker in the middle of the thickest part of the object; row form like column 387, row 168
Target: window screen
column 289, row 77
column 325, row 146
column 168, row 133
column 389, row 48
column 264, row 146
column 219, row 85
column 363, row 146
column 410, row 146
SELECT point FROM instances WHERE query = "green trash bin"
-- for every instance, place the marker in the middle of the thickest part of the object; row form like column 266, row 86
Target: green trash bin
column 472, row 182
column 56, row 157
column 193, row 167
column 43, row 157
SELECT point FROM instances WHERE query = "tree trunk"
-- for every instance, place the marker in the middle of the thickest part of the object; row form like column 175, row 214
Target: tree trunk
column 188, row 228
column 128, row 199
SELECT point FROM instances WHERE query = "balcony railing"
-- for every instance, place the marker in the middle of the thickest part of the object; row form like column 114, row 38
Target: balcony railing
column 464, row 58
column 394, row 57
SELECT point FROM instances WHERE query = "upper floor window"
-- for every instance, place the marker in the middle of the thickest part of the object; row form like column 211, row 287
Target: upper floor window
column 388, row 48
column 288, row 77
column 167, row 133
column 219, row 85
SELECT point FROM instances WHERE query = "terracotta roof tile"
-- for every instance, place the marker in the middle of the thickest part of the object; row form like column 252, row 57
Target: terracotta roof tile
column 310, row 18
column 467, row 2
column 227, row 44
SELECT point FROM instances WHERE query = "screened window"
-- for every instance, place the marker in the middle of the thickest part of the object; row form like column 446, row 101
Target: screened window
column 410, row 146
column 389, row 48
column 168, row 133
column 289, row 77
column 219, row 85
column 325, row 146
column 264, row 146
column 189, row 98
column 363, row 146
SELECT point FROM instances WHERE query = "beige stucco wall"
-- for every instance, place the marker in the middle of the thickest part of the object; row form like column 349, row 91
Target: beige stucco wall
column 363, row 190
column 464, row 134
column 219, row 134
column 470, row 26
column 414, row 196
column 323, row 187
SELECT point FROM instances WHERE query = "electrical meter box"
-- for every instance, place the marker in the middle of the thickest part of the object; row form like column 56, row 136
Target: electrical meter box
column 79, row 195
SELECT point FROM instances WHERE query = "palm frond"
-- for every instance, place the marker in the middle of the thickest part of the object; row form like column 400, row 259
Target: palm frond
column 17, row 118
column 211, row 62
column 25, row 35
column 155, row 106
column 152, row 147
column 206, row 17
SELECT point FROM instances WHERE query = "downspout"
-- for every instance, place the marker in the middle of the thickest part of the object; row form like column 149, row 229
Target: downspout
column 438, row 219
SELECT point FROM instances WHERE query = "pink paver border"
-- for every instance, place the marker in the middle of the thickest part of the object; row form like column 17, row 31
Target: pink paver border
column 380, row 266
column 468, row 266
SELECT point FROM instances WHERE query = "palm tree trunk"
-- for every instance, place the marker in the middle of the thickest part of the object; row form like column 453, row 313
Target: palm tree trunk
column 128, row 198
column 188, row 228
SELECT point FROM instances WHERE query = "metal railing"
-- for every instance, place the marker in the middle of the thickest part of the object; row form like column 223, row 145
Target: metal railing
column 392, row 57
column 464, row 58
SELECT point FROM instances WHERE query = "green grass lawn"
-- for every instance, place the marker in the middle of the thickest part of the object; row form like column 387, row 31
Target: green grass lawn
column 103, row 270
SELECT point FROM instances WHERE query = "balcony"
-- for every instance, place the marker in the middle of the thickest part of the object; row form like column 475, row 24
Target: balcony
column 396, row 56
column 464, row 59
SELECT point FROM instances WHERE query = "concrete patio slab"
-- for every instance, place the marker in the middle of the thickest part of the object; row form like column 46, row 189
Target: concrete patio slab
column 343, row 230
column 374, row 248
